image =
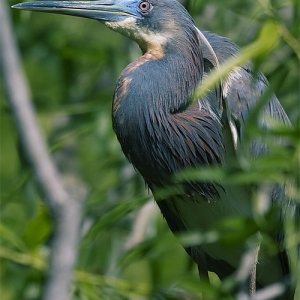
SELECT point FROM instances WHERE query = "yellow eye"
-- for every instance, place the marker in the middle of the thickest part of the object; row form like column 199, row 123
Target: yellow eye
column 144, row 6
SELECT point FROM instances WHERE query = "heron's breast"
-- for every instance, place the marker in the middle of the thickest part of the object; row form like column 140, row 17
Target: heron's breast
column 120, row 92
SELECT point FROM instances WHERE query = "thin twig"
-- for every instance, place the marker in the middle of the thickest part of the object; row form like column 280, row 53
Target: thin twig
column 253, row 270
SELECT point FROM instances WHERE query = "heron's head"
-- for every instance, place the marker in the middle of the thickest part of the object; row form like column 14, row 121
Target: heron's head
column 150, row 23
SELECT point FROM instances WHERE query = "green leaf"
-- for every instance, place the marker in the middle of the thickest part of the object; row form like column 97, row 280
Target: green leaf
column 9, row 236
column 38, row 229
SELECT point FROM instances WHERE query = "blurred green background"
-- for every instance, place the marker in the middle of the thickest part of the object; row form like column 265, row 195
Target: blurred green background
column 126, row 249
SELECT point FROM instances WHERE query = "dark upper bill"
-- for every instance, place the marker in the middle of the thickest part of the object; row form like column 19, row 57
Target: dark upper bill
column 105, row 10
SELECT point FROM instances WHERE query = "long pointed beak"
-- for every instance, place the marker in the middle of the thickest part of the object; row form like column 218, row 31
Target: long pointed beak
column 103, row 10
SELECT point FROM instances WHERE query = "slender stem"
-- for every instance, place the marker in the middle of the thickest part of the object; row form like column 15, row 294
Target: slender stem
column 253, row 270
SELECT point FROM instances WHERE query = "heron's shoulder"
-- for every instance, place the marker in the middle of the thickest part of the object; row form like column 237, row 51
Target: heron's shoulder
column 223, row 46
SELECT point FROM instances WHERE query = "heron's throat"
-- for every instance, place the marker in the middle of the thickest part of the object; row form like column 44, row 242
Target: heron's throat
column 150, row 42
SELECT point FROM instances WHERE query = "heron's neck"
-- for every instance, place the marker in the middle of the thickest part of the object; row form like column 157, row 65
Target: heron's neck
column 165, row 76
column 149, row 91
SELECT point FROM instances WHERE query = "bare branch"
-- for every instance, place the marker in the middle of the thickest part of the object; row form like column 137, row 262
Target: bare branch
column 65, row 207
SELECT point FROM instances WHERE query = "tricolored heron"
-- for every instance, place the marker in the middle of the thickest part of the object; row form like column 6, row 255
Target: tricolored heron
column 162, row 132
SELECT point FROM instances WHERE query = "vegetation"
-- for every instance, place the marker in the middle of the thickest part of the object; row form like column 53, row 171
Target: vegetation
column 126, row 250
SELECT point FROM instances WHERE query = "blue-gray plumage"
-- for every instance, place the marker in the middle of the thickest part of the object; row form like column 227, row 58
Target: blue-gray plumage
column 161, row 132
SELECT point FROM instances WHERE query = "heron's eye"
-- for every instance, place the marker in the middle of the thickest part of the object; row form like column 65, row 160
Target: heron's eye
column 144, row 6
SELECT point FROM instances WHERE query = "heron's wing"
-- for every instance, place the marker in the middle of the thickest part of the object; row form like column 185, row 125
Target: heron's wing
column 241, row 89
column 242, row 92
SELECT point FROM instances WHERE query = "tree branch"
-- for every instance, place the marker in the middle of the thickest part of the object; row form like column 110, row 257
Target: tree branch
column 65, row 207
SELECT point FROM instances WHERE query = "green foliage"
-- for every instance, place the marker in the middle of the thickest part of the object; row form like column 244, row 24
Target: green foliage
column 72, row 65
